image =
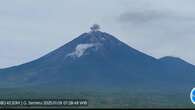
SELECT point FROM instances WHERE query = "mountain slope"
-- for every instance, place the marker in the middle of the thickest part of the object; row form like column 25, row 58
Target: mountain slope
column 98, row 59
column 177, row 69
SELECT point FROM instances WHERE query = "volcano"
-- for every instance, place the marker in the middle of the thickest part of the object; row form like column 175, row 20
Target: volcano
column 99, row 60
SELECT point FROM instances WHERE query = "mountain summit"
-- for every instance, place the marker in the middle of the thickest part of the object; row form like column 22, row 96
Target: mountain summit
column 97, row 59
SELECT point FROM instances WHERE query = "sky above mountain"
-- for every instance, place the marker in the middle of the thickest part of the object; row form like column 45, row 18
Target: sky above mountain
column 30, row 28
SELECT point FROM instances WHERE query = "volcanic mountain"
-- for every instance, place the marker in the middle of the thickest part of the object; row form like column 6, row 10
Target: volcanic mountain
column 98, row 59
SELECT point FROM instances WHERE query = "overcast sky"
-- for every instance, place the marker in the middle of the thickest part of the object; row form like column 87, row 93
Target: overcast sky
column 30, row 29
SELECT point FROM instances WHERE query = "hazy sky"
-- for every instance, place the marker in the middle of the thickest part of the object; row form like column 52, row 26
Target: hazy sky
column 30, row 29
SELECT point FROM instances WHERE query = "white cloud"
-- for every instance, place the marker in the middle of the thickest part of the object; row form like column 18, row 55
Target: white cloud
column 80, row 50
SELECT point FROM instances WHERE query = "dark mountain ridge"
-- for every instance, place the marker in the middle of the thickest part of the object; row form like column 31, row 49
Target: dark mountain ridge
column 98, row 59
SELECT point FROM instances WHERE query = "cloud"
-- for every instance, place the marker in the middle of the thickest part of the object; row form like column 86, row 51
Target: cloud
column 141, row 16
column 160, row 28
column 146, row 16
